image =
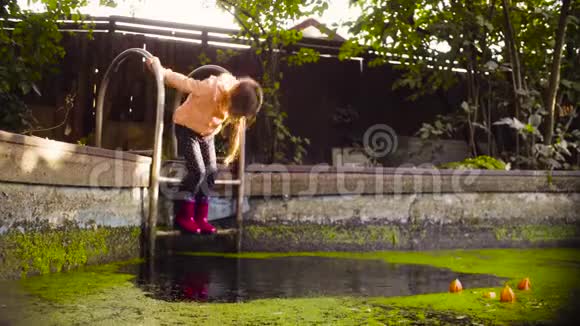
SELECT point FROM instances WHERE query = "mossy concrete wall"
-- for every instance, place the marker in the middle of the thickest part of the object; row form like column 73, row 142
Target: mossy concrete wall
column 39, row 248
column 63, row 205
column 52, row 228
column 413, row 221
column 296, row 208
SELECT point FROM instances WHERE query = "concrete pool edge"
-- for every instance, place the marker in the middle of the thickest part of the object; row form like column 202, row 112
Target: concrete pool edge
column 52, row 228
column 315, row 237
column 64, row 205
column 297, row 208
column 413, row 221
column 35, row 160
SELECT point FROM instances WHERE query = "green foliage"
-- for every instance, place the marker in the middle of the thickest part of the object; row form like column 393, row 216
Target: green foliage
column 203, row 59
column 14, row 114
column 303, row 56
column 409, row 31
column 552, row 156
column 482, row 162
column 438, row 44
column 443, row 126
column 265, row 26
column 29, row 49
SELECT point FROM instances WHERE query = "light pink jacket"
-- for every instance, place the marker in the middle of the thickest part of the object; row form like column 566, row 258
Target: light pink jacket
column 201, row 111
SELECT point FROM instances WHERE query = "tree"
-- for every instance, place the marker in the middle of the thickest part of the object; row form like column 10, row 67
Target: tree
column 264, row 25
column 495, row 49
column 432, row 40
column 555, row 69
column 29, row 49
column 532, row 67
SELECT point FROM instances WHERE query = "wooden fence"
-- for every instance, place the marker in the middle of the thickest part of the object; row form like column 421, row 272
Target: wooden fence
column 311, row 94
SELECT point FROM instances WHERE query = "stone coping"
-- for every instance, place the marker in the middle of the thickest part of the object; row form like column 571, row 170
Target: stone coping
column 295, row 184
column 58, row 163
column 324, row 168
column 34, row 160
column 33, row 141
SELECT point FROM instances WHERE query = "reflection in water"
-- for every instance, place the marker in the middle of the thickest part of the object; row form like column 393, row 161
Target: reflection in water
column 184, row 278
column 195, row 286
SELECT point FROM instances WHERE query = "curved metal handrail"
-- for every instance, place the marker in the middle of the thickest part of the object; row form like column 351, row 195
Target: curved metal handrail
column 198, row 73
column 156, row 159
column 113, row 68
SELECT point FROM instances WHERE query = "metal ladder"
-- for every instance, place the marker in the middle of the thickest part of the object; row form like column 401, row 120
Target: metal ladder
column 155, row 178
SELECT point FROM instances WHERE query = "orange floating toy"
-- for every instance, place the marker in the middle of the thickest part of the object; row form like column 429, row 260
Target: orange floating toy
column 455, row 286
column 525, row 284
column 507, row 294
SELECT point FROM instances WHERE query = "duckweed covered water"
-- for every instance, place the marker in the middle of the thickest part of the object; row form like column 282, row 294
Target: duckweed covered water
column 125, row 294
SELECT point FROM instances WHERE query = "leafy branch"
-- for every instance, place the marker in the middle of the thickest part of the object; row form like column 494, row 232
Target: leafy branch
column 263, row 22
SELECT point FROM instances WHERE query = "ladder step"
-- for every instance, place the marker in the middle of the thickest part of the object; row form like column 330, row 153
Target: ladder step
column 175, row 233
column 217, row 182
column 228, row 182
column 169, row 180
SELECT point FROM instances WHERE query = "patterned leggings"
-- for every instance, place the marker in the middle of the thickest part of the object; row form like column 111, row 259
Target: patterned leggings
column 200, row 160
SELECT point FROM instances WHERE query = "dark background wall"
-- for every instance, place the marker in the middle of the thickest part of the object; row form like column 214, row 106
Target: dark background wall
column 311, row 94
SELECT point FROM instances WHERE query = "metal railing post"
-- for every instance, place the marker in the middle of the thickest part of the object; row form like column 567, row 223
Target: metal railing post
column 241, row 187
column 153, row 194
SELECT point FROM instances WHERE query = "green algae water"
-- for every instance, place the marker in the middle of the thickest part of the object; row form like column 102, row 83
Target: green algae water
column 305, row 289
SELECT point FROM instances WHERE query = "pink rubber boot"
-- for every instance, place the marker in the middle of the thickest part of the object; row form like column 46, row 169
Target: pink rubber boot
column 185, row 218
column 201, row 212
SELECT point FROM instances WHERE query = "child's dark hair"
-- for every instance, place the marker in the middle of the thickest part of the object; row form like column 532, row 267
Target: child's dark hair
column 245, row 101
column 245, row 98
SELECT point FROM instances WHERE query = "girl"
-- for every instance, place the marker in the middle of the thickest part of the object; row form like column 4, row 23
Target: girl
column 209, row 104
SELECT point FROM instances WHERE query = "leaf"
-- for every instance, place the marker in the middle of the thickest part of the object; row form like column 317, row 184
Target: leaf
column 562, row 145
column 522, row 92
column 481, row 126
column 535, row 120
column 465, row 106
column 511, row 122
column 491, row 65
column 505, row 67
column 529, row 128
column 36, row 90
column 25, row 88
column 570, row 84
